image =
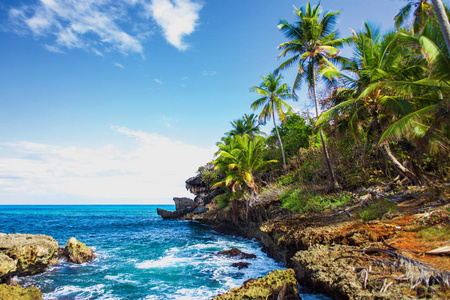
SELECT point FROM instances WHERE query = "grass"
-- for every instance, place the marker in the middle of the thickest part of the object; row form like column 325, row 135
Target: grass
column 377, row 210
column 299, row 201
column 434, row 233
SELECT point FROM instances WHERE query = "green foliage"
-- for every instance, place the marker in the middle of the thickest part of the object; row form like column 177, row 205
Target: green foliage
column 435, row 233
column 377, row 210
column 299, row 201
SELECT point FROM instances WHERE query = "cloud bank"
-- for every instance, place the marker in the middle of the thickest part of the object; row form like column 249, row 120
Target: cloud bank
column 101, row 26
column 152, row 172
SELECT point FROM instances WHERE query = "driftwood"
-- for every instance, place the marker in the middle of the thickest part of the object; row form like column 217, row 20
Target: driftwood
column 415, row 271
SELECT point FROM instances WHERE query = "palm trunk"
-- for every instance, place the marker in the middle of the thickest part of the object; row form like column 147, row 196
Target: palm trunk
column 281, row 142
column 443, row 21
column 324, row 146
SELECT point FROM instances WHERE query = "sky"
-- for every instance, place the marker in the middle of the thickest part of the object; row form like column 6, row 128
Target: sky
column 120, row 101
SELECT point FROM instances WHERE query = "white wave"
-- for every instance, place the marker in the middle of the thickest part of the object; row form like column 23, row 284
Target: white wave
column 78, row 293
column 122, row 279
column 164, row 262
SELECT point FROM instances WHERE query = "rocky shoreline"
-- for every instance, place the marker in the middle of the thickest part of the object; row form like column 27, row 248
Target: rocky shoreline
column 29, row 254
column 344, row 257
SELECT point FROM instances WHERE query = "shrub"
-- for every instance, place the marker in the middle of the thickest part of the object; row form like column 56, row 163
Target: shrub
column 376, row 210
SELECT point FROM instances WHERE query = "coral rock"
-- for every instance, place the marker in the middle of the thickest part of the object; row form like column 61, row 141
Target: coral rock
column 78, row 252
column 19, row 293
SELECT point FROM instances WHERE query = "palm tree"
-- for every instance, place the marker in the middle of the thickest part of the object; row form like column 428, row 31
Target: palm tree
column 422, row 13
column 313, row 44
column 273, row 95
column 373, row 101
column 248, row 124
column 238, row 159
column 442, row 17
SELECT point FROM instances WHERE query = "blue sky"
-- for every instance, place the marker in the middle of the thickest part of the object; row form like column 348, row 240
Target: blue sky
column 120, row 101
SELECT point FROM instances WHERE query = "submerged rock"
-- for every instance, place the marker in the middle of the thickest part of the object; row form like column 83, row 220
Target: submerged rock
column 32, row 253
column 19, row 293
column 278, row 284
column 235, row 252
column 77, row 252
column 240, row 265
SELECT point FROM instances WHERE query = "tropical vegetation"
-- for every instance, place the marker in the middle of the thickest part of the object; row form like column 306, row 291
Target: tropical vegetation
column 382, row 114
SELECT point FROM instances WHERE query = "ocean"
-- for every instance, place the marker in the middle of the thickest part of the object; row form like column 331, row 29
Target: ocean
column 140, row 256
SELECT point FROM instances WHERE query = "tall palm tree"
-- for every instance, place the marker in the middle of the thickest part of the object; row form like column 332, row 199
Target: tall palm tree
column 273, row 94
column 373, row 101
column 248, row 124
column 422, row 13
column 313, row 44
column 442, row 17
column 238, row 159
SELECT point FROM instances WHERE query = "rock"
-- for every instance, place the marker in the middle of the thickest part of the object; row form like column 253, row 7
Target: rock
column 200, row 210
column 235, row 252
column 7, row 267
column 19, row 293
column 78, row 252
column 184, row 204
column 165, row 214
column 278, row 284
column 32, row 253
column 240, row 265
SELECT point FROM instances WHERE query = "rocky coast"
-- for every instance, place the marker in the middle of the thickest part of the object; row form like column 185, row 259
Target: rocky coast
column 28, row 254
column 403, row 254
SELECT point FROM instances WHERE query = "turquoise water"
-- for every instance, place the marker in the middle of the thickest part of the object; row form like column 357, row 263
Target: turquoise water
column 140, row 256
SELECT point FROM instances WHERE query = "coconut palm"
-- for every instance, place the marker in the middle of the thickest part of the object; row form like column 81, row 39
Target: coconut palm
column 273, row 94
column 422, row 13
column 248, row 124
column 374, row 101
column 313, row 44
column 442, row 16
column 238, row 159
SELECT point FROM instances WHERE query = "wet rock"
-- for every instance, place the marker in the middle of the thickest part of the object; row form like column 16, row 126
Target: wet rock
column 77, row 252
column 19, row 293
column 240, row 265
column 165, row 214
column 32, row 253
column 278, row 284
column 7, row 267
column 235, row 252
column 200, row 210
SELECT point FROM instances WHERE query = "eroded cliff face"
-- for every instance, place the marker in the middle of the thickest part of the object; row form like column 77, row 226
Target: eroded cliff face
column 202, row 190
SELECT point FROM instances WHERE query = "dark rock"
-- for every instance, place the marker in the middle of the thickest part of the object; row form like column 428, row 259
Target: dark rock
column 184, row 204
column 77, row 252
column 165, row 214
column 240, row 265
column 235, row 252
column 200, row 210
column 278, row 284
column 202, row 189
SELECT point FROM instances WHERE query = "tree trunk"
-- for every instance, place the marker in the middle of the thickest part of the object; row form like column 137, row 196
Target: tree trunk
column 281, row 142
column 324, row 146
column 443, row 21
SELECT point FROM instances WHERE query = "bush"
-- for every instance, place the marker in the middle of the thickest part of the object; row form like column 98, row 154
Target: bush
column 299, row 201
column 377, row 210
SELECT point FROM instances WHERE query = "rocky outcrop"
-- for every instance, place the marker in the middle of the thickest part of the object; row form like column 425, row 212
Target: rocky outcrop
column 26, row 254
column 77, row 252
column 278, row 284
column 19, row 293
column 235, row 252
column 201, row 187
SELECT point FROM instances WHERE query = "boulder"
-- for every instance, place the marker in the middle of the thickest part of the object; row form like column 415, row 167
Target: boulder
column 32, row 253
column 7, row 267
column 200, row 210
column 240, row 265
column 19, row 293
column 278, row 284
column 184, row 204
column 77, row 252
column 165, row 214
column 235, row 252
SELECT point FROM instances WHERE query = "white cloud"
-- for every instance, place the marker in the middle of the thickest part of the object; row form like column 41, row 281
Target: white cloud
column 118, row 65
column 111, row 24
column 209, row 73
column 177, row 18
column 154, row 171
column 158, row 81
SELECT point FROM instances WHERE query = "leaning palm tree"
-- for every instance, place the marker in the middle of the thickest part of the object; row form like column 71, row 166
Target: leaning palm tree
column 313, row 44
column 442, row 16
column 273, row 94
